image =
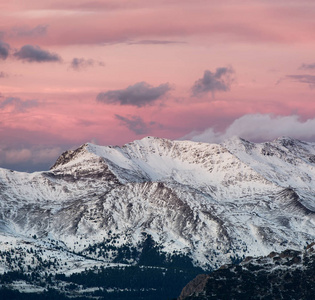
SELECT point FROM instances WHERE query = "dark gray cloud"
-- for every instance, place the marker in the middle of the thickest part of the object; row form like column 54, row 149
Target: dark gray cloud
column 219, row 81
column 308, row 79
column 39, row 30
column 31, row 53
column 139, row 94
column 4, row 50
column 82, row 63
column 18, row 104
column 154, row 42
column 309, row 67
column 134, row 123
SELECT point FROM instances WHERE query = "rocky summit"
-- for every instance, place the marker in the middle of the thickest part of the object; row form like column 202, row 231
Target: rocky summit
column 153, row 205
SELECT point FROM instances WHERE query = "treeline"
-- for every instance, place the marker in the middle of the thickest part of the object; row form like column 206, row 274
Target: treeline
column 160, row 283
column 8, row 294
column 147, row 253
column 132, row 282
column 154, row 275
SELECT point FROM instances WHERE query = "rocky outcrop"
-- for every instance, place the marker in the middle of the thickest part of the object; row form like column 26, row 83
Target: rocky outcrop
column 196, row 286
column 286, row 275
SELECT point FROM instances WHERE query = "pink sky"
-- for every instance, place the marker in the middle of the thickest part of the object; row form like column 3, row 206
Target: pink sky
column 110, row 72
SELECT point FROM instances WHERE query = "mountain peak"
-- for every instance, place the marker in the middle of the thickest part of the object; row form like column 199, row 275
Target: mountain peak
column 211, row 201
column 236, row 140
column 69, row 155
column 287, row 141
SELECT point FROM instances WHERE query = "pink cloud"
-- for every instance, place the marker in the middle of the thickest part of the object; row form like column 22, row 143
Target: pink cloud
column 155, row 42
column 16, row 156
column 109, row 22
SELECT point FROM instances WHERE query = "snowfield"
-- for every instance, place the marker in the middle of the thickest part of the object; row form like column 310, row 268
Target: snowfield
column 213, row 203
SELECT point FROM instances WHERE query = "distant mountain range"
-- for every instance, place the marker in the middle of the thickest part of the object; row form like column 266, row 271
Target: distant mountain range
column 154, row 205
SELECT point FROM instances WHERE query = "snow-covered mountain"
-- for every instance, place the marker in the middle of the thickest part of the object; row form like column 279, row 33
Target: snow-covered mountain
column 214, row 203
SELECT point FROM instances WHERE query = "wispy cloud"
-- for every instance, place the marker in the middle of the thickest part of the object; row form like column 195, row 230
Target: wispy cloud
column 28, row 156
column 3, row 74
column 136, row 124
column 306, row 78
column 17, row 104
column 79, row 64
column 39, row 30
column 309, row 67
column 154, row 42
column 139, row 94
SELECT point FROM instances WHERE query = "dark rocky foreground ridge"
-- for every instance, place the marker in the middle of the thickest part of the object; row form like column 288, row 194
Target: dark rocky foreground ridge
column 286, row 275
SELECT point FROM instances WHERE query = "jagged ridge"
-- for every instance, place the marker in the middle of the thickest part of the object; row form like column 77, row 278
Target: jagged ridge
column 213, row 203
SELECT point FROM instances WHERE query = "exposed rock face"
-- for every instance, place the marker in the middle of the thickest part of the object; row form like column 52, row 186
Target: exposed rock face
column 160, row 203
column 212, row 203
column 194, row 287
column 286, row 275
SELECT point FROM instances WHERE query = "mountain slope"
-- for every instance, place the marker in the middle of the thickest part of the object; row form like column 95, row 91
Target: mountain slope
column 210, row 203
